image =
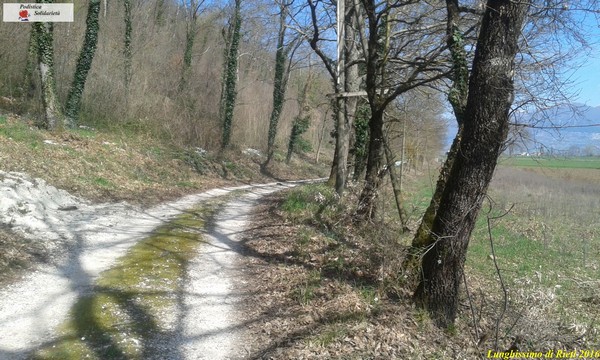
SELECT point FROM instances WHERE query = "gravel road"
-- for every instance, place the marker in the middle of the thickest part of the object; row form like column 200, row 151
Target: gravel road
column 92, row 238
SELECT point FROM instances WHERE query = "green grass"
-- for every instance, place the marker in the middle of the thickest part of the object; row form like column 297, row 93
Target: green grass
column 331, row 334
column 305, row 293
column 102, row 182
column 553, row 162
column 20, row 132
column 305, row 201
column 123, row 314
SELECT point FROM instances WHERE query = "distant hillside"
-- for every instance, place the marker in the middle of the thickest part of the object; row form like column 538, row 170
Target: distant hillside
column 562, row 131
column 577, row 132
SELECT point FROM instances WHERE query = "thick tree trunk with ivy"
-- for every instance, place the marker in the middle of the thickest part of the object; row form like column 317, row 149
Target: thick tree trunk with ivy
column 279, row 83
column 84, row 62
column 458, row 99
column 485, row 129
column 53, row 117
column 127, row 51
column 302, row 121
column 230, row 74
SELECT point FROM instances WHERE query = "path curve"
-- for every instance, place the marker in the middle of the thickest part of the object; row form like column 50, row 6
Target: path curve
column 31, row 309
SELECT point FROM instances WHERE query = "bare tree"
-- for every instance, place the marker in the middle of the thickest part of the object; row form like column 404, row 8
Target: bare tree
column 343, row 72
column 538, row 84
column 457, row 96
column 302, row 120
column 191, row 30
column 402, row 50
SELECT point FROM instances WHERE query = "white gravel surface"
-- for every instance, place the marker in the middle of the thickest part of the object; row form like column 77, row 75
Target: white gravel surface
column 212, row 328
column 90, row 238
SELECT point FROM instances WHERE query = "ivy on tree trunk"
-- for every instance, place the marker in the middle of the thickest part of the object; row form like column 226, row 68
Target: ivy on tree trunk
column 279, row 83
column 84, row 62
column 28, row 85
column 127, row 52
column 230, row 75
column 457, row 97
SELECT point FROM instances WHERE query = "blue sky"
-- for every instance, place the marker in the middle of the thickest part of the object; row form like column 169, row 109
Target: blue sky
column 587, row 78
column 588, row 81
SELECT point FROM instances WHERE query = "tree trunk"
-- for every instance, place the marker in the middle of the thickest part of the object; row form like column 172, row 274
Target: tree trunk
column 361, row 142
column 160, row 12
column 230, row 76
column 29, row 85
column 191, row 31
column 348, row 80
column 302, row 121
column 457, row 97
column 53, row 117
column 485, row 130
column 84, row 62
column 424, row 237
column 321, row 136
column 375, row 83
column 279, row 84
column 366, row 203
column 396, row 183
column 127, row 52
column 190, row 37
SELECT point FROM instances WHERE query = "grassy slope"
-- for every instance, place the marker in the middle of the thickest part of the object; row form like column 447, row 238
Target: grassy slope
column 135, row 167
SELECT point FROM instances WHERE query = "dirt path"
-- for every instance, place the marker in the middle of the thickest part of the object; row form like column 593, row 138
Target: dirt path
column 213, row 329
column 96, row 236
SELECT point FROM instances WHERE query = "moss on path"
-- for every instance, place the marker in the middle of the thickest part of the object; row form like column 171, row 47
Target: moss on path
column 134, row 305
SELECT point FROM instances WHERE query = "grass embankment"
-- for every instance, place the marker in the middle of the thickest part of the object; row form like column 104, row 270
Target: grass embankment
column 135, row 308
column 345, row 285
column 138, row 167
column 328, row 288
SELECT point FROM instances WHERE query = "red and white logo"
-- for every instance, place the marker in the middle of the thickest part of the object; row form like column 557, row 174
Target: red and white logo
column 23, row 15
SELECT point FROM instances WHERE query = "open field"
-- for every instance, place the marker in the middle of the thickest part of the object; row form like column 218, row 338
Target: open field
column 543, row 225
column 553, row 162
